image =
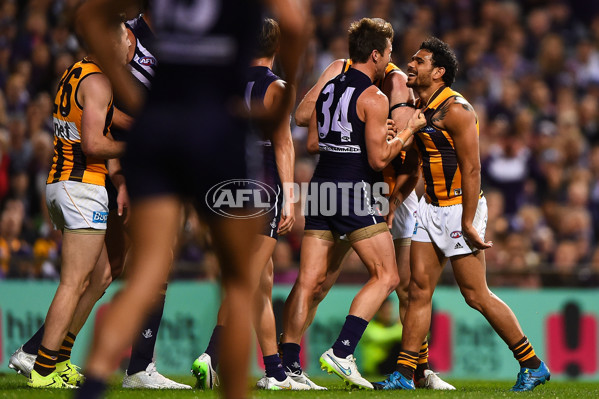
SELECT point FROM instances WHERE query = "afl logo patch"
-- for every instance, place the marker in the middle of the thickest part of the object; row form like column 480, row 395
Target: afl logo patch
column 455, row 234
column 147, row 61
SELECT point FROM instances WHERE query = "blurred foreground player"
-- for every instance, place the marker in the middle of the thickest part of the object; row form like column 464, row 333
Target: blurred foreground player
column 264, row 89
column 189, row 138
column 451, row 219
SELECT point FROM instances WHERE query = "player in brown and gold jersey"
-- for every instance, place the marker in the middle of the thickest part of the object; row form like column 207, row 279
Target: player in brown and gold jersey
column 451, row 218
column 78, row 206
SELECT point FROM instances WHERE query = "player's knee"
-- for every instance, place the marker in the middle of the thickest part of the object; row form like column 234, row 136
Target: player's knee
column 472, row 299
column 418, row 291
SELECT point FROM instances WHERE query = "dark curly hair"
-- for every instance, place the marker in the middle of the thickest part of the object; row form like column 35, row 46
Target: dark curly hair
column 443, row 57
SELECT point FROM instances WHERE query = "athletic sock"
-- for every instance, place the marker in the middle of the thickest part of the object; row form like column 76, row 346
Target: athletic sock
column 525, row 354
column 92, row 388
column 212, row 348
column 142, row 351
column 291, row 357
column 422, row 361
column 406, row 363
column 274, row 367
column 34, row 342
column 45, row 362
column 66, row 347
column 350, row 335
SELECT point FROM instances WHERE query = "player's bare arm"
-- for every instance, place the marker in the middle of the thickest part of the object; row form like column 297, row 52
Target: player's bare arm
column 312, row 139
column 458, row 118
column 306, row 106
column 372, row 106
column 405, row 183
column 94, row 95
column 121, row 120
column 284, row 155
column 115, row 172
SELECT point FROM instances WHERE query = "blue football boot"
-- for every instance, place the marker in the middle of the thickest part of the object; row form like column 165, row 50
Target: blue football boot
column 528, row 379
column 395, row 381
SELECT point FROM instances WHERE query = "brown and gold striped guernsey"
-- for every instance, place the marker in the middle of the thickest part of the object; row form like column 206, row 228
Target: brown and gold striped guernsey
column 442, row 176
column 69, row 161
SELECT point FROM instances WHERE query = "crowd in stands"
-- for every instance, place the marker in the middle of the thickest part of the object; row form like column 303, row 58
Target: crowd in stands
column 530, row 68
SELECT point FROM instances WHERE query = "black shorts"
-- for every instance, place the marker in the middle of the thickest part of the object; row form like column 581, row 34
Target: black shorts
column 185, row 151
column 339, row 210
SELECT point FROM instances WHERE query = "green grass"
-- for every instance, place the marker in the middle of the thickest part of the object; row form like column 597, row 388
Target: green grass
column 13, row 386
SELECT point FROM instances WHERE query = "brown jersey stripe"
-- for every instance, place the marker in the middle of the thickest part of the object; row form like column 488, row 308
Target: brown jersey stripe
column 59, row 160
column 449, row 159
column 79, row 162
column 426, row 170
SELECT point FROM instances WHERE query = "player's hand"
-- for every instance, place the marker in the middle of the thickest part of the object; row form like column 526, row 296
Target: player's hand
column 391, row 215
column 391, row 129
column 474, row 239
column 287, row 218
column 417, row 121
column 122, row 201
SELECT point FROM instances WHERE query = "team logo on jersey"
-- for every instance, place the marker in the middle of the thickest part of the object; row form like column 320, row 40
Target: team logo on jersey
column 241, row 198
column 455, row 234
column 147, row 61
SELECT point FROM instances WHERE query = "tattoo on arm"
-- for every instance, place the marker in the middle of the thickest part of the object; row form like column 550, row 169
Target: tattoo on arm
column 441, row 112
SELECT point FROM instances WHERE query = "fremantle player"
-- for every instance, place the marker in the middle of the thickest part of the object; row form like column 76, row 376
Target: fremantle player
column 191, row 122
column 264, row 89
column 349, row 129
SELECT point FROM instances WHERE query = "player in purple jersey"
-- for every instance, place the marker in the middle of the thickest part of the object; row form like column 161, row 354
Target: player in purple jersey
column 264, row 90
column 349, row 129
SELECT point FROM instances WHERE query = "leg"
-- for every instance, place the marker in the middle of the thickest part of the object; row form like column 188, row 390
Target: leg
column 264, row 317
column 313, row 282
column 470, row 274
column 402, row 257
column 378, row 254
column 234, row 241
column 80, row 254
column 153, row 228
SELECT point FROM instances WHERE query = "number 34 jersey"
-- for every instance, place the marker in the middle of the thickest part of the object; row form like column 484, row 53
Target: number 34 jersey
column 341, row 140
column 69, row 161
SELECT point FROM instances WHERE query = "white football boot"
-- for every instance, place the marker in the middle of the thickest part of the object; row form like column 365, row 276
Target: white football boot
column 344, row 368
column 150, row 378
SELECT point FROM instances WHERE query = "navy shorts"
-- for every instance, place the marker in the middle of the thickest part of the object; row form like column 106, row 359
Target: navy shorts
column 273, row 217
column 340, row 210
column 171, row 151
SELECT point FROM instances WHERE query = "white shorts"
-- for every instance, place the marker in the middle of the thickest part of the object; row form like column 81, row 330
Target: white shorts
column 73, row 205
column 405, row 218
column 442, row 225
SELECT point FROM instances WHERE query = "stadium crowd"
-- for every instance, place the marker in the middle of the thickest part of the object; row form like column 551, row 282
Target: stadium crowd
column 529, row 67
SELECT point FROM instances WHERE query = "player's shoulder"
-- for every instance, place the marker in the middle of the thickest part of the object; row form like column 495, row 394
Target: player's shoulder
column 372, row 96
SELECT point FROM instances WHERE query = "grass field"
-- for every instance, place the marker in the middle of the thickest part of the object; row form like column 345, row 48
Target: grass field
column 13, row 386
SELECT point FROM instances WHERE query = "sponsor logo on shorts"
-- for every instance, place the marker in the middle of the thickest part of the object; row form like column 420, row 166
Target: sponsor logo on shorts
column 455, row 234
column 99, row 217
column 458, row 246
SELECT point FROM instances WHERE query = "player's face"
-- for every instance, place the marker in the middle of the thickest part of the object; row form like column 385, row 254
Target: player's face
column 384, row 60
column 420, row 70
column 122, row 44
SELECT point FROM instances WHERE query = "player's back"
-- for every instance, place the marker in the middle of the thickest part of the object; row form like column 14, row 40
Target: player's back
column 69, row 161
column 259, row 79
column 341, row 133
